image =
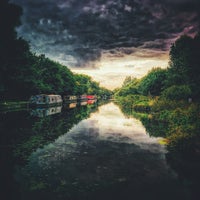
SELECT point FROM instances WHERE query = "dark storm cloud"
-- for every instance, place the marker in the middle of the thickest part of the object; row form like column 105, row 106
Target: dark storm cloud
column 76, row 31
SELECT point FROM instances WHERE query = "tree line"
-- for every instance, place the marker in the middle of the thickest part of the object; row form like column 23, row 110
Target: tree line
column 179, row 81
column 23, row 73
column 167, row 103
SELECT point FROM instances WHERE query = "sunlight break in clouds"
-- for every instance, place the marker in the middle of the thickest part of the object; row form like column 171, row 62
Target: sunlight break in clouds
column 107, row 39
column 111, row 72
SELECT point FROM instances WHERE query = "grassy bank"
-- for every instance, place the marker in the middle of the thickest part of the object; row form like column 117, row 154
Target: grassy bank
column 12, row 105
column 178, row 122
column 174, row 119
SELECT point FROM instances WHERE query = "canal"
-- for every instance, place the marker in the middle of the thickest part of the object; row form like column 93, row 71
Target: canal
column 82, row 152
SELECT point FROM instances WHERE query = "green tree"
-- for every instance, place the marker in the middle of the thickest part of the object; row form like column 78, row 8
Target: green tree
column 82, row 83
column 23, row 73
column 10, row 46
column 180, row 61
column 177, row 92
column 153, row 82
column 127, row 80
column 54, row 77
column 184, row 66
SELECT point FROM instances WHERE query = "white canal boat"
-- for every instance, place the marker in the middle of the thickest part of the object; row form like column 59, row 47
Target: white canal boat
column 45, row 100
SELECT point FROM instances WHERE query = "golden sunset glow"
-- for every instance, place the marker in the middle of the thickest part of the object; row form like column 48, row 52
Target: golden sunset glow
column 110, row 73
column 107, row 40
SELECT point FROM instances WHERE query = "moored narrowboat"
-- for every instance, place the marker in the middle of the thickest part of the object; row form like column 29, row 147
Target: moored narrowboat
column 82, row 97
column 45, row 100
column 91, row 97
column 69, row 98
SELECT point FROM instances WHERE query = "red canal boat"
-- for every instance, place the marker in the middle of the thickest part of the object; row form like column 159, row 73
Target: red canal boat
column 91, row 97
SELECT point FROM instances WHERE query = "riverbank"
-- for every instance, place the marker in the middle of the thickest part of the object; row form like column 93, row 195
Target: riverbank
column 178, row 122
column 12, row 105
column 52, row 157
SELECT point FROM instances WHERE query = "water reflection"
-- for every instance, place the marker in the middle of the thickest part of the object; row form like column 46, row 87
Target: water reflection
column 43, row 112
column 72, row 105
column 83, row 103
column 113, row 125
column 22, row 133
column 46, row 111
column 80, row 103
column 91, row 101
column 106, row 156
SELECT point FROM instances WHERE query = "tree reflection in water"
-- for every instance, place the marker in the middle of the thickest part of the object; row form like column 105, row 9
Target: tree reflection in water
column 22, row 133
column 180, row 156
column 106, row 156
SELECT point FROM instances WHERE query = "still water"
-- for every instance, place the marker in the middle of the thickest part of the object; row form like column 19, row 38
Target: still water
column 86, row 152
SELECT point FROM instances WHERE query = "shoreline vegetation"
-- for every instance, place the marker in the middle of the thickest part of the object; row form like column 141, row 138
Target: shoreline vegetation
column 165, row 100
column 167, row 103
column 24, row 73
column 179, row 124
column 13, row 105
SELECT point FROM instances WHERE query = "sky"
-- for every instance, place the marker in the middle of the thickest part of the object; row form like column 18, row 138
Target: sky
column 107, row 39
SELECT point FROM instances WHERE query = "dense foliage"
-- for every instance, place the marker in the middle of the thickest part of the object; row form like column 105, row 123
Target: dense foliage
column 180, row 80
column 85, row 85
column 24, row 73
column 171, row 106
column 152, row 84
column 177, row 92
column 184, row 67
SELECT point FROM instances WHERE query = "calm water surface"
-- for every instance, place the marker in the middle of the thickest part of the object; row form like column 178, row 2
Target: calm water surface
column 104, row 156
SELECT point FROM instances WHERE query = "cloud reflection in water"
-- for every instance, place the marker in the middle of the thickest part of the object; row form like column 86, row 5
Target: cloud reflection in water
column 99, row 157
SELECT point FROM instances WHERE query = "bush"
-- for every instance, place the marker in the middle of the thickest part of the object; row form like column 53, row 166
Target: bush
column 177, row 92
column 153, row 82
column 141, row 108
column 164, row 104
column 180, row 141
